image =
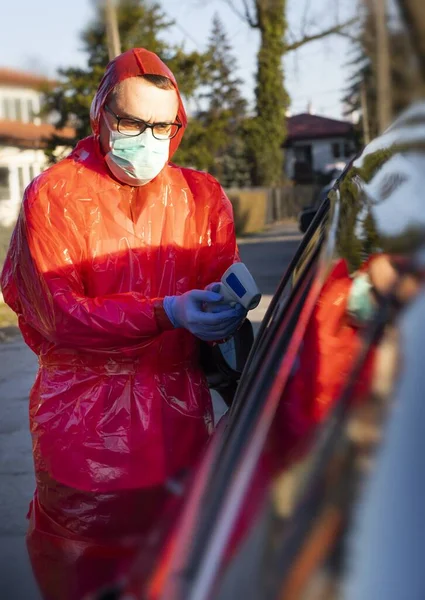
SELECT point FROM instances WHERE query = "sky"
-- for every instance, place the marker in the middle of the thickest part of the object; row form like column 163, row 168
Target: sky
column 43, row 35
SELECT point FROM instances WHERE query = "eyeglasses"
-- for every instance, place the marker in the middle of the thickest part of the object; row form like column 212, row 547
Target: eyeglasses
column 134, row 127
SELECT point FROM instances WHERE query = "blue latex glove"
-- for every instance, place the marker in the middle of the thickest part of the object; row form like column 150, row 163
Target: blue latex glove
column 187, row 311
column 216, row 307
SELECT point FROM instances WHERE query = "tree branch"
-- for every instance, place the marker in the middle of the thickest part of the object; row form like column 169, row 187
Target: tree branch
column 349, row 36
column 305, row 17
column 245, row 15
column 249, row 18
column 336, row 29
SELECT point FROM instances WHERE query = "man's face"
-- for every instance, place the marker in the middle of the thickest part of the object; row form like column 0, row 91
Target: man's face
column 138, row 99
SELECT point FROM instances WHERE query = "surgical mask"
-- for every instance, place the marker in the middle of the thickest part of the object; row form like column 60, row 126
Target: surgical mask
column 136, row 160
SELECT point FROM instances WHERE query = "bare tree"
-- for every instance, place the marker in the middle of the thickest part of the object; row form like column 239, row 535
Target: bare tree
column 252, row 11
column 268, row 130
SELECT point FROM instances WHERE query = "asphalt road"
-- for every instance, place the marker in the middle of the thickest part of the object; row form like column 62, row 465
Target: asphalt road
column 266, row 255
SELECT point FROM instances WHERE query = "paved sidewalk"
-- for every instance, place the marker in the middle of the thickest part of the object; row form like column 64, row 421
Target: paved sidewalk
column 17, row 370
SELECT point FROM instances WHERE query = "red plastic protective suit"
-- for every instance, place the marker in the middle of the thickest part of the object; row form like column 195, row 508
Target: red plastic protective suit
column 120, row 402
column 331, row 344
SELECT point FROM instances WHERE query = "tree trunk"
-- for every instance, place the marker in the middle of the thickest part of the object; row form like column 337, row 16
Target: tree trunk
column 383, row 66
column 271, row 97
column 112, row 33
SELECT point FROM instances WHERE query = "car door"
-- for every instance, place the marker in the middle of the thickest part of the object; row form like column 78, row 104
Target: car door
column 270, row 512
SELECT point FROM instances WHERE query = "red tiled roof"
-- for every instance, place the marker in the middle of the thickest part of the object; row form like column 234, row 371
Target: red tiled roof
column 29, row 135
column 306, row 126
column 22, row 78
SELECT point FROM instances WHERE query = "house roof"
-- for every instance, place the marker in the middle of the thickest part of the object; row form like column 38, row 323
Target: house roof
column 308, row 126
column 22, row 78
column 29, row 135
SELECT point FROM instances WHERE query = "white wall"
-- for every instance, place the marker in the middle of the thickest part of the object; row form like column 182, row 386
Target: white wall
column 31, row 163
column 29, row 104
column 322, row 153
column 289, row 160
column 23, row 165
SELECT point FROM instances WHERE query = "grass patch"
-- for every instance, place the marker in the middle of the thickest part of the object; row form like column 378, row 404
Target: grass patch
column 7, row 317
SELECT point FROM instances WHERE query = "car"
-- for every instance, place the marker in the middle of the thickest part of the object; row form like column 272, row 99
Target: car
column 328, row 179
column 277, row 506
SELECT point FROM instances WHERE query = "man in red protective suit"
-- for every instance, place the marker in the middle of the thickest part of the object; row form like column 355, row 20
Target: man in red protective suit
column 107, row 270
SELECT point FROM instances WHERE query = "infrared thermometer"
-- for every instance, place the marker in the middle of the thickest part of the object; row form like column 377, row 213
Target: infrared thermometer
column 238, row 285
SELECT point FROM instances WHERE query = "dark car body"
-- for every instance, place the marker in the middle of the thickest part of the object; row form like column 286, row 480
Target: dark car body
column 271, row 512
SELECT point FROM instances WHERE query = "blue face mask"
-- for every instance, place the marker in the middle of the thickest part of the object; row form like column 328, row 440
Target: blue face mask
column 136, row 160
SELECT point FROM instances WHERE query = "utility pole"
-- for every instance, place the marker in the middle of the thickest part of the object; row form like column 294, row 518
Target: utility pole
column 112, row 33
column 414, row 17
column 383, row 66
column 365, row 113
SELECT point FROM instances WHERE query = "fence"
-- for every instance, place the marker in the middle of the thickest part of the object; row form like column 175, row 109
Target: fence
column 254, row 208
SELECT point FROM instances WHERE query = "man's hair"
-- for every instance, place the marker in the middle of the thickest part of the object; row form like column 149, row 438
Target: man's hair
column 159, row 81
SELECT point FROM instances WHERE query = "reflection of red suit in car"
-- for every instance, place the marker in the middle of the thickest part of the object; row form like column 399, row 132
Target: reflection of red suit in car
column 329, row 349
column 330, row 346
column 120, row 403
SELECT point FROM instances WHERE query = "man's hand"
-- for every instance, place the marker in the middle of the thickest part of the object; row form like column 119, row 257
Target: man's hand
column 187, row 311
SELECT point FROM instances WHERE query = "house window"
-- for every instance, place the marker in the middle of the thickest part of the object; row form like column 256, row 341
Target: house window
column 18, row 109
column 303, row 153
column 21, row 179
column 30, row 111
column 347, row 150
column 6, row 109
column 336, row 150
column 4, row 184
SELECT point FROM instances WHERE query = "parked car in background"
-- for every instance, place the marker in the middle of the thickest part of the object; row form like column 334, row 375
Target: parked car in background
column 327, row 179
column 272, row 511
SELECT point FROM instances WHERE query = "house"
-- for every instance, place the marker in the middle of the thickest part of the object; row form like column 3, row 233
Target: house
column 22, row 137
column 316, row 143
